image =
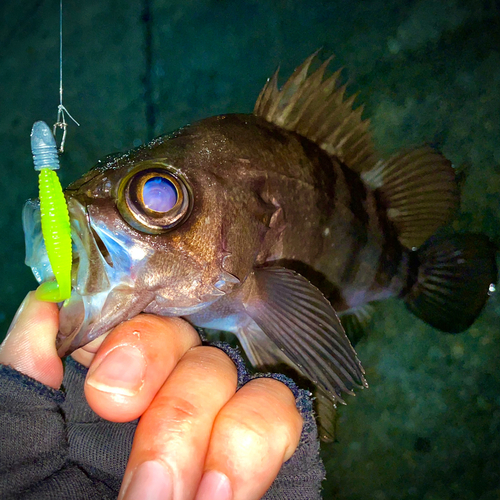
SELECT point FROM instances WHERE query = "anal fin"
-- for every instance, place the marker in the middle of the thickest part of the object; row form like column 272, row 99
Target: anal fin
column 355, row 321
column 327, row 416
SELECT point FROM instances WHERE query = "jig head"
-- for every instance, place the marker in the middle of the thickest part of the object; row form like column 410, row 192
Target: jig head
column 56, row 229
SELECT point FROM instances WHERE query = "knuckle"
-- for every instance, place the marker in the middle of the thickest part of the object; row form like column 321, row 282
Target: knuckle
column 174, row 414
column 181, row 409
column 211, row 368
column 278, row 403
column 252, row 432
column 274, row 389
column 212, row 357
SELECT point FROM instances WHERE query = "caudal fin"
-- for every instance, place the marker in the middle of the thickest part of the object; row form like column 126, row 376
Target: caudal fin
column 451, row 280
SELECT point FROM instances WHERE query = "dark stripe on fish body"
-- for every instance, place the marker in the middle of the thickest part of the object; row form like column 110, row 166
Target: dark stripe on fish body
column 357, row 196
column 392, row 251
column 357, row 193
column 324, row 175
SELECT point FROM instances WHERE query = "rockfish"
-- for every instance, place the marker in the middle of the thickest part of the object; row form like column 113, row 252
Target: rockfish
column 266, row 225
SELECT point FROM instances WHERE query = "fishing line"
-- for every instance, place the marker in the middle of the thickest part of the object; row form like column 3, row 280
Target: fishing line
column 54, row 215
column 147, row 18
column 61, row 109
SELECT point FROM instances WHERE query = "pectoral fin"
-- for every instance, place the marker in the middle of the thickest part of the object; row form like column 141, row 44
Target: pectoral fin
column 302, row 323
column 261, row 351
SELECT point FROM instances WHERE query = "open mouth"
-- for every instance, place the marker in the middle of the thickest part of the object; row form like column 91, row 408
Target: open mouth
column 89, row 273
column 104, row 260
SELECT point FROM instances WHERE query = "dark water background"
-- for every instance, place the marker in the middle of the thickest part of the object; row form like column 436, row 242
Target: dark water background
column 427, row 71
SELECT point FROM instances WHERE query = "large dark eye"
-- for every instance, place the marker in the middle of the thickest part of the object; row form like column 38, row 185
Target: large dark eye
column 154, row 199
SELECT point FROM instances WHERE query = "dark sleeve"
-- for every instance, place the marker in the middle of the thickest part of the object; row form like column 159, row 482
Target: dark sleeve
column 300, row 477
column 34, row 447
column 53, row 446
column 49, row 441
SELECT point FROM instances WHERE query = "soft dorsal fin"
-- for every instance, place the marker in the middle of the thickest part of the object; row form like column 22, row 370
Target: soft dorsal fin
column 419, row 191
column 317, row 109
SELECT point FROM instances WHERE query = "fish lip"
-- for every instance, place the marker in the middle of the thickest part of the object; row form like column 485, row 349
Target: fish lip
column 92, row 275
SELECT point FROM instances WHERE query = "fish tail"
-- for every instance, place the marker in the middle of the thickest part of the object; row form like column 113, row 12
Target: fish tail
column 451, row 279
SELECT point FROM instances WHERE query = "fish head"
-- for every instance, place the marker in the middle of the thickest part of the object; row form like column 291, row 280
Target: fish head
column 160, row 229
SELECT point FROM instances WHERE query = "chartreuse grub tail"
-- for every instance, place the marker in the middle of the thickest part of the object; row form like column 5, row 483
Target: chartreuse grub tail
column 56, row 229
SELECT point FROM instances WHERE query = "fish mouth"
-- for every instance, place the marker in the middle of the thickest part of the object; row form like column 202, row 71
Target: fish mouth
column 101, row 262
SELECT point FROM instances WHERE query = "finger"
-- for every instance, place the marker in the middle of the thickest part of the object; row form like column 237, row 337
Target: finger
column 172, row 437
column 253, row 435
column 133, row 362
column 30, row 343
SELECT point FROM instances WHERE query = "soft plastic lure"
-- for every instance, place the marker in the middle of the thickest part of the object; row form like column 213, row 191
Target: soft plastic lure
column 56, row 228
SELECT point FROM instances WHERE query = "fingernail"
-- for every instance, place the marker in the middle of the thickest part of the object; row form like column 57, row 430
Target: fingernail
column 150, row 481
column 18, row 313
column 214, row 485
column 122, row 372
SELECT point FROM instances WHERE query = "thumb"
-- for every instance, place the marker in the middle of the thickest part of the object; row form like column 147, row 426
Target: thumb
column 30, row 343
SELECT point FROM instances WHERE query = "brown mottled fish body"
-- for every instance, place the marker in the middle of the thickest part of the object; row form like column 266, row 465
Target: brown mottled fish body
column 317, row 216
column 259, row 224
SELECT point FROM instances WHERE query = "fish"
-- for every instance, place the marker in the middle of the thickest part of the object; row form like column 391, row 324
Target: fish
column 269, row 225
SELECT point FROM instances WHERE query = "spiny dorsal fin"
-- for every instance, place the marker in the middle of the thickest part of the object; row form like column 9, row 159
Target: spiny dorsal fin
column 316, row 108
column 418, row 189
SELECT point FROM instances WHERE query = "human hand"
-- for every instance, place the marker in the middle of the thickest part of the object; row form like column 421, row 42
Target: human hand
column 197, row 437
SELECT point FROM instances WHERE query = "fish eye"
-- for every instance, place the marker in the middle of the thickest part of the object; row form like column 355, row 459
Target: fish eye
column 159, row 194
column 153, row 198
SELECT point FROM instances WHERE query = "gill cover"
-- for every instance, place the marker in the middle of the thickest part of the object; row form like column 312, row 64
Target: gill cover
column 153, row 198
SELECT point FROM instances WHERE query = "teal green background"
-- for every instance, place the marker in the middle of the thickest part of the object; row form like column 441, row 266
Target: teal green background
column 427, row 71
